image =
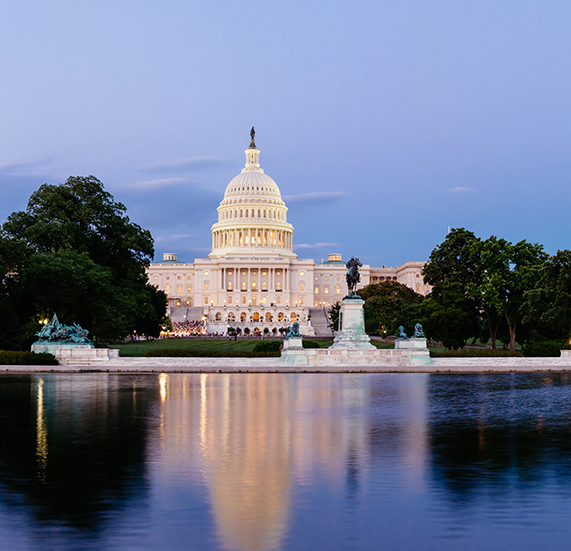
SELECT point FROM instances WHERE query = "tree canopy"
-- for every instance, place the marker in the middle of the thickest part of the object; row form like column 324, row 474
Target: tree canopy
column 74, row 251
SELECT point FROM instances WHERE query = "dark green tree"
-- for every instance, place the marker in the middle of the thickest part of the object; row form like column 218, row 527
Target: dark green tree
column 383, row 302
column 508, row 271
column 85, row 259
column 453, row 270
column 547, row 305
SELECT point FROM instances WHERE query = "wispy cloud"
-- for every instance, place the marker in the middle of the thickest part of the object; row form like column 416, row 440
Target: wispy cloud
column 188, row 164
column 314, row 196
column 170, row 238
column 315, row 246
column 157, row 184
column 460, row 189
column 28, row 167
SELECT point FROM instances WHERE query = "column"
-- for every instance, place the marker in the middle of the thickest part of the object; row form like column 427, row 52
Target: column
column 223, row 274
column 249, row 286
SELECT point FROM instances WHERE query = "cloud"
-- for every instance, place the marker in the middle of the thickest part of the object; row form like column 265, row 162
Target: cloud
column 460, row 189
column 188, row 164
column 316, row 246
column 157, row 184
column 327, row 196
column 169, row 238
column 29, row 167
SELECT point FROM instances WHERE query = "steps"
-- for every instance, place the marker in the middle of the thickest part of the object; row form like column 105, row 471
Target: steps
column 184, row 313
column 320, row 322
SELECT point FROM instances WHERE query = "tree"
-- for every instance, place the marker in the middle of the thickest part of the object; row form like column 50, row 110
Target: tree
column 454, row 271
column 508, row 271
column 383, row 302
column 82, row 257
column 547, row 306
column 333, row 315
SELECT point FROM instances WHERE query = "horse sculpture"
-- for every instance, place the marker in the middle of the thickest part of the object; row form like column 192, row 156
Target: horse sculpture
column 353, row 276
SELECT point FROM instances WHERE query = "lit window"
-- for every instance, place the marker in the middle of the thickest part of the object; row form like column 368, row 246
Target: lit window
column 244, row 299
column 278, row 286
column 167, row 288
column 317, row 289
column 326, row 290
column 205, row 300
column 263, row 300
column 229, row 285
column 278, row 300
column 316, row 278
column 205, row 273
column 179, row 289
column 188, row 291
column 301, row 274
column 244, row 286
column 301, row 300
column 179, row 277
column 326, row 278
column 253, row 285
column 156, row 277
column 337, row 289
column 229, row 299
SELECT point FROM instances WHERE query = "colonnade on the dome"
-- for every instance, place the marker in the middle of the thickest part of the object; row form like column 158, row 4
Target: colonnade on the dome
column 252, row 237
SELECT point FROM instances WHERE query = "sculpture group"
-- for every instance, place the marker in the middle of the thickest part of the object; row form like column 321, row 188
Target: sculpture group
column 56, row 332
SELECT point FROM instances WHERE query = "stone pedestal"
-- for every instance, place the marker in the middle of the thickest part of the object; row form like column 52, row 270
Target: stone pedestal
column 51, row 348
column 417, row 351
column 293, row 351
column 351, row 334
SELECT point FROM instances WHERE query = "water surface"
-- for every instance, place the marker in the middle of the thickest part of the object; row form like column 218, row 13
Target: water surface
column 285, row 461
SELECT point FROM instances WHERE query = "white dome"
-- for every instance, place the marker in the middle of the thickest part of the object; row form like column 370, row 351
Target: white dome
column 252, row 215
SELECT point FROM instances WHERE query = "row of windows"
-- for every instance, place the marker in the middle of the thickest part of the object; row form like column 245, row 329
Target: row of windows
column 251, row 213
column 178, row 289
column 326, row 289
column 256, row 316
column 244, row 300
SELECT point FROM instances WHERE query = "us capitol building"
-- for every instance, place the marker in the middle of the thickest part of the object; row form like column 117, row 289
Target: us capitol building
column 252, row 278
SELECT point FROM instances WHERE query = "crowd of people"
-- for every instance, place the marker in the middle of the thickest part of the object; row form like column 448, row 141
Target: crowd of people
column 187, row 328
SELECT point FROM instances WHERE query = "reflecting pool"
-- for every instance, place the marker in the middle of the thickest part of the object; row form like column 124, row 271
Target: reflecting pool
column 258, row 462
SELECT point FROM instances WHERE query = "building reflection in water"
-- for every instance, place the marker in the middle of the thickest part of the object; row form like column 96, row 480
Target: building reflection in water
column 262, row 435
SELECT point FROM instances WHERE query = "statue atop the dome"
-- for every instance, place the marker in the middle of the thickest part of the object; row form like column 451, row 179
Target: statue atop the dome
column 252, row 140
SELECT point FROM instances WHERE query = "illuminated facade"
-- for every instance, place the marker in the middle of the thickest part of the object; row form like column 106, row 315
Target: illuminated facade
column 252, row 278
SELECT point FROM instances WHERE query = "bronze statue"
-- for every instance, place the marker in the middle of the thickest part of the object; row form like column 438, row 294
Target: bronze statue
column 56, row 332
column 252, row 138
column 293, row 331
column 353, row 276
column 418, row 332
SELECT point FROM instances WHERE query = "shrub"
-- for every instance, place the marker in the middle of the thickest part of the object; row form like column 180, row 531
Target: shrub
column 12, row 357
column 311, row 344
column 182, row 353
column 545, row 349
column 475, row 353
column 268, row 346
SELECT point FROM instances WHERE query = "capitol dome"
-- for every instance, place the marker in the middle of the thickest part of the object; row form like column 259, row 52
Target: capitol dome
column 252, row 218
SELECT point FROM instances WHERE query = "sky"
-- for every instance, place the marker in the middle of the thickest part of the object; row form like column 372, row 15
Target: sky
column 383, row 122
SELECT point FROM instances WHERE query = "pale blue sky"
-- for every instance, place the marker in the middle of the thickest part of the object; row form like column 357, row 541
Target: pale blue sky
column 383, row 122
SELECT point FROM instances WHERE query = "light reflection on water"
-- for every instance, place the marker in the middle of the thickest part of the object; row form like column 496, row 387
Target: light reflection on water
column 283, row 461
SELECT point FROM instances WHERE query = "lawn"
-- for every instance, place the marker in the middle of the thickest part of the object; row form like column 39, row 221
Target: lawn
column 138, row 348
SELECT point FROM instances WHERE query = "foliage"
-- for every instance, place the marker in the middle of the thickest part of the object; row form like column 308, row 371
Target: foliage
column 166, row 324
column 383, row 302
column 475, row 353
column 268, row 346
column 453, row 313
column 182, row 353
column 547, row 305
column 507, row 271
column 333, row 315
column 12, row 357
column 74, row 251
column 545, row 349
column 310, row 344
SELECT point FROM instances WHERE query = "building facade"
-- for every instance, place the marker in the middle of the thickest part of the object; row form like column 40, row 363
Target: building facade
column 252, row 278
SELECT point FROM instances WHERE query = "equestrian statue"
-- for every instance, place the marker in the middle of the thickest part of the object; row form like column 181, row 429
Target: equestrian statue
column 353, row 276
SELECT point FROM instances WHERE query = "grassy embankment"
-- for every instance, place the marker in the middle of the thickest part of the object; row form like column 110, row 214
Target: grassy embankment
column 138, row 348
